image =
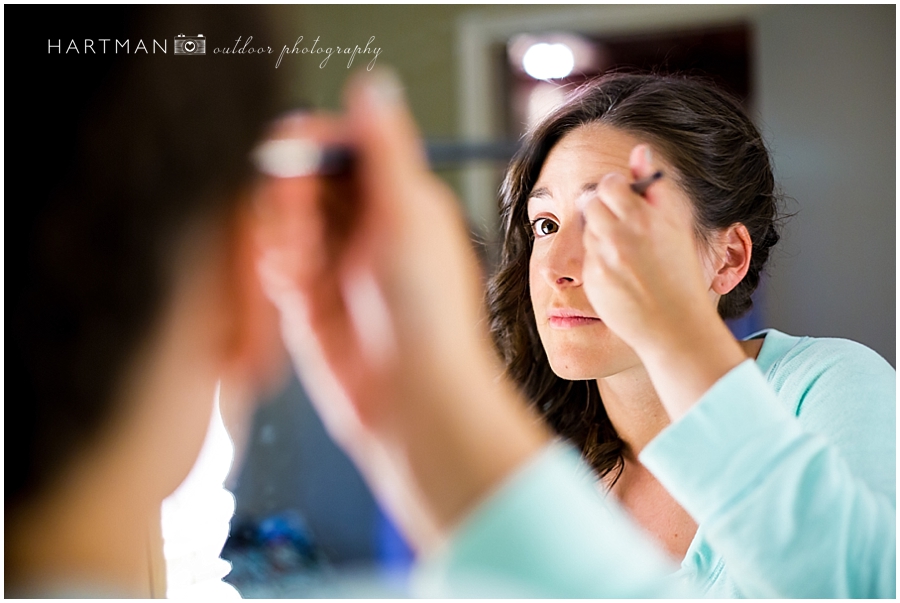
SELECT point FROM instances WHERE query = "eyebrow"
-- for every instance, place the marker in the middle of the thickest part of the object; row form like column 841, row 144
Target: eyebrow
column 539, row 193
column 543, row 192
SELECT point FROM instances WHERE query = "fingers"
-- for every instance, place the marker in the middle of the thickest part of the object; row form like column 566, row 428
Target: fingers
column 370, row 316
column 599, row 217
column 621, row 196
column 617, row 218
column 291, row 228
column 630, row 201
column 300, row 223
column 613, row 206
column 615, row 191
column 384, row 133
column 641, row 162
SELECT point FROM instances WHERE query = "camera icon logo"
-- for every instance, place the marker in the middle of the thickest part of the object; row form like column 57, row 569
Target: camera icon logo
column 190, row 44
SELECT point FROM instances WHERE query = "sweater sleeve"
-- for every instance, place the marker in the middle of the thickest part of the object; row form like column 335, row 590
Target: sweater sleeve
column 778, row 502
column 547, row 532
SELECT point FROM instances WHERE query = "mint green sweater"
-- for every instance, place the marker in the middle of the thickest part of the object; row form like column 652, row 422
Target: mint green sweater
column 787, row 465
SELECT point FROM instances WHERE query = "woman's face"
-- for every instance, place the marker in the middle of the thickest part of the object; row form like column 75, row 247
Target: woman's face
column 578, row 343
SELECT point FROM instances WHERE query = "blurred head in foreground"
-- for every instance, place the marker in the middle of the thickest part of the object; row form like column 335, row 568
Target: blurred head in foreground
column 130, row 281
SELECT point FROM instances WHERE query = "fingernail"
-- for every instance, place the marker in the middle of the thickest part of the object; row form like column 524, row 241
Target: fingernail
column 384, row 88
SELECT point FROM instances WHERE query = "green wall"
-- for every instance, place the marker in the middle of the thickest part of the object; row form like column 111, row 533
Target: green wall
column 417, row 41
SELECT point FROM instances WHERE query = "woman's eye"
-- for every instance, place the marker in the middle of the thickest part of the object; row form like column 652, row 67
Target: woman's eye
column 543, row 226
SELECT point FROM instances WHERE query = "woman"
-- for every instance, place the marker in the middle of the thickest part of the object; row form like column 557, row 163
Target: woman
column 608, row 308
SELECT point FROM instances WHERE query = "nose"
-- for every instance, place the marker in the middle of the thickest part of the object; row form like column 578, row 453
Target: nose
column 562, row 257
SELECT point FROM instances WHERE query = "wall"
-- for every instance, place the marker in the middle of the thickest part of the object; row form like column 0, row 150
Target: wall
column 416, row 41
column 825, row 84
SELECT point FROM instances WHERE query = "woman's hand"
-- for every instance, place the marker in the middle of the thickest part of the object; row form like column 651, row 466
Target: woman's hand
column 380, row 296
column 647, row 278
column 642, row 267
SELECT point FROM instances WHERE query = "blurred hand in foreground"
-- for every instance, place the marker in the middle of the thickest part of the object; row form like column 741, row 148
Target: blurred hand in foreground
column 381, row 303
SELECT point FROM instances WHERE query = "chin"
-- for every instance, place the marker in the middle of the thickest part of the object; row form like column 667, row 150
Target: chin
column 584, row 362
column 571, row 368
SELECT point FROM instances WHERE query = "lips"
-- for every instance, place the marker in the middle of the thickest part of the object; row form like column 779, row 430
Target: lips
column 568, row 319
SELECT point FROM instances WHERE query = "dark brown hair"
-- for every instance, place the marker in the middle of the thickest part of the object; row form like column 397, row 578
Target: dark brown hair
column 134, row 147
column 722, row 164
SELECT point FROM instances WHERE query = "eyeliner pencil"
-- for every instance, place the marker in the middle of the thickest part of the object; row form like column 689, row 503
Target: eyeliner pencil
column 641, row 186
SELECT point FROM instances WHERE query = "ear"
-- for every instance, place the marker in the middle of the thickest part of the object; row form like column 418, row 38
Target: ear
column 733, row 249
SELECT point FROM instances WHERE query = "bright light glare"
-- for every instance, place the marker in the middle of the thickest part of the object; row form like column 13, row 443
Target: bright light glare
column 196, row 521
column 548, row 61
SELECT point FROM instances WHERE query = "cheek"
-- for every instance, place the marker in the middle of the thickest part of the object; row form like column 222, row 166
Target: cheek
column 537, row 264
column 532, row 267
column 534, row 280
column 540, row 295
